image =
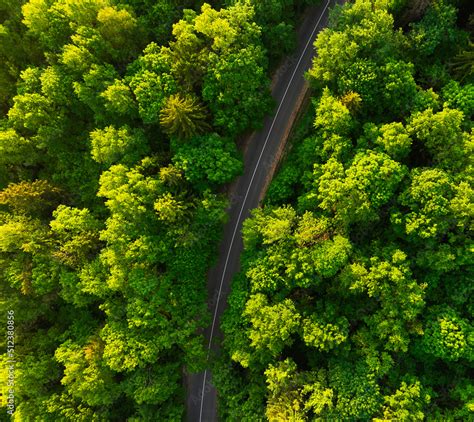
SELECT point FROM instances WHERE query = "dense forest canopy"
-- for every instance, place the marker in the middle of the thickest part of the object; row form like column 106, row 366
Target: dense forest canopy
column 118, row 128
column 355, row 299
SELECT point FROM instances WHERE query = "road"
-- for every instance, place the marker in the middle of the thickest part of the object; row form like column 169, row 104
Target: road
column 246, row 193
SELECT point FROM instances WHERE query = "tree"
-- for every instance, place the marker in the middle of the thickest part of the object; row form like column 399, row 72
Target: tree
column 371, row 37
column 85, row 376
column 390, row 87
column 56, row 86
column 94, row 81
column 118, row 99
column 183, row 117
column 208, row 160
column 278, row 225
column 77, row 58
column 30, row 198
column 16, row 150
column 231, row 27
column 459, row 97
column 107, row 226
column 271, row 326
column 21, row 239
column 312, row 230
column 356, row 394
column 156, row 19
column 295, row 396
column 392, row 139
column 406, row 404
column 389, row 282
column 447, row 336
column 77, row 233
column 309, row 266
column 186, row 53
column 126, row 349
column 463, row 63
column 324, row 336
column 46, row 22
column 428, row 199
column 355, row 194
column 236, row 89
column 169, row 209
column 111, row 145
column 16, row 49
column 436, row 33
column 152, row 82
column 120, row 29
column 153, row 384
column 129, row 197
column 442, row 135
column 276, row 18
column 335, row 122
column 30, row 112
column 362, row 250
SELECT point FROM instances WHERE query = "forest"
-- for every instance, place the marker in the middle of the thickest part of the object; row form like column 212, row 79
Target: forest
column 120, row 124
column 118, row 130
column 355, row 298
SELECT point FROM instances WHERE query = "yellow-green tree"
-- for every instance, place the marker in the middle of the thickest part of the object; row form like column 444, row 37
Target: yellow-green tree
column 183, row 116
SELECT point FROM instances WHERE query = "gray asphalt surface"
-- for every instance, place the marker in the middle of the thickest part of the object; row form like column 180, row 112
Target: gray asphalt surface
column 245, row 195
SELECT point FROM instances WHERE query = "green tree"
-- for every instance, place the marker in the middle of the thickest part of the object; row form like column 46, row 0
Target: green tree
column 30, row 112
column 77, row 233
column 16, row 150
column 93, row 82
column 16, row 50
column 447, row 336
column 183, row 117
column 324, row 336
column 30, row 198
column 442, row 134
column 120, row 29
column 295, row 396
column 153, row 384
column 152, row 82
column 392, row 139
column 85, row 375
column 357, row 193
column 371, row 36
column 459, row 97
column 334, row 120
column 406, row 404
column 169, row 209
column 436, row 33
column 428, row 200
column 118, row 99
column 463, row 63
column 111, row 145
column 236, row 89
column 208, row 160
column 401, row 298
column 47, row 22
column 271, row 325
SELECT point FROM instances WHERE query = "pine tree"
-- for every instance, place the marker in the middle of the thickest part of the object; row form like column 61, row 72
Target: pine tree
column 183, row 116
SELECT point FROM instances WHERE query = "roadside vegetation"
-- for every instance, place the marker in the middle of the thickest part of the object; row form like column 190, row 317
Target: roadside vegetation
column 355, row 299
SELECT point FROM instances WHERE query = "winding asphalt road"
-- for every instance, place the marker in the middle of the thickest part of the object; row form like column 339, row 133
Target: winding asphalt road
column 246, row 193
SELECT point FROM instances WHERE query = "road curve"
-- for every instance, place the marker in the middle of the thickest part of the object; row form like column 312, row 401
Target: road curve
column 246, row 192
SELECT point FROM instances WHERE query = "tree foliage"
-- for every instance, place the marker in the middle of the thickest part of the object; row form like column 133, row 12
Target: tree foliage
column 183, row 117
column 118, row 129
column 354, row 299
